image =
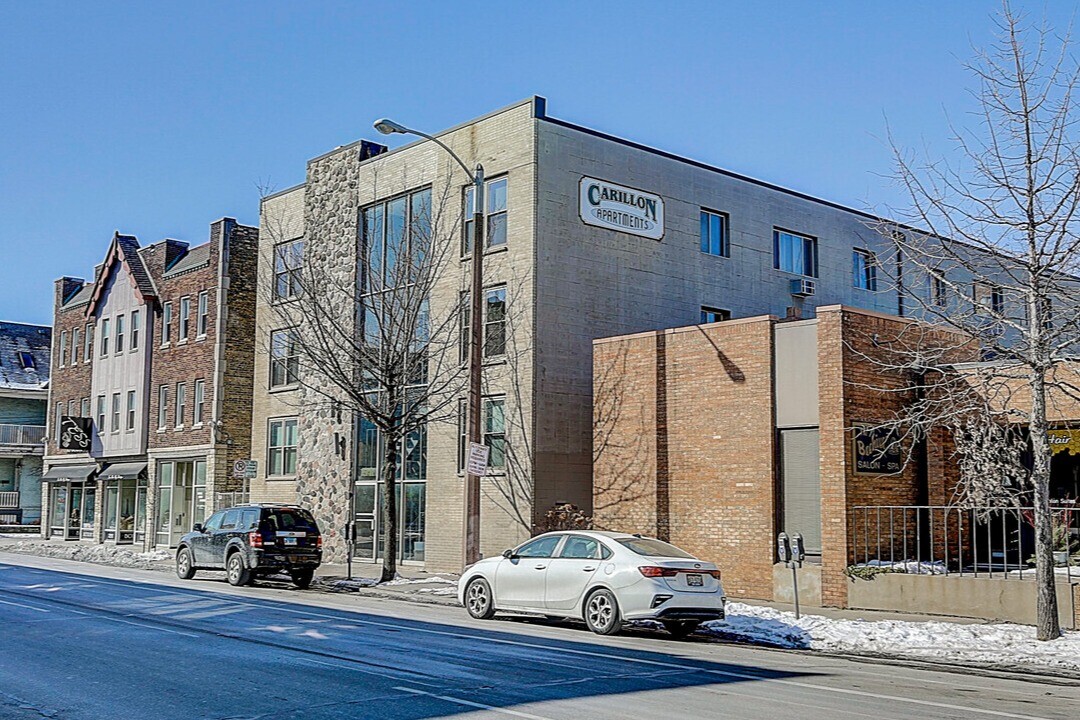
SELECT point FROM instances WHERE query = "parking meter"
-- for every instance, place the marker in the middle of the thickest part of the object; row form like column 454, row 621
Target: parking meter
column 783, row 548
column 798, row 552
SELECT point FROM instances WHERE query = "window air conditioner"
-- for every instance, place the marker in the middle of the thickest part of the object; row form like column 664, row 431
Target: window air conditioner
column 802, row 287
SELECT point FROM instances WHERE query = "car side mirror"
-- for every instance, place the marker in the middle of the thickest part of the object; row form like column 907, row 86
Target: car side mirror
column 509, row 554
column 197, row 527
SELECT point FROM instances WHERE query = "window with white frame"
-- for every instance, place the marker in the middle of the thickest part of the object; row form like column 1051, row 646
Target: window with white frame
column 181, row 404
column 203, row 321
column 104, row 337
column 119, row 334
column 714, row 234
column 185, row 319
column 495, row 431
column 56, row 422
column 88, row 342
column 795, row 253
column 281, row 448
column 166, row 323
column 163, row 406
column 495, row 197
column 114, row 426
column 494, row 322
column 136, row 319
column 84, row 410
column 62, row 355
column 284, row 358
column 74, row 346
column 131, row 410
column 864, row 269
column 288, row 261
column 101, row 413
column 199, row 402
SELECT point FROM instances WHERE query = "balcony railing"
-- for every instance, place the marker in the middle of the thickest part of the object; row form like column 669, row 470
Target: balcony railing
column 9, row 499
column 28, row 435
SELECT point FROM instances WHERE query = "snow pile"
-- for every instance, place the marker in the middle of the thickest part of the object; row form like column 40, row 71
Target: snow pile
column 399, row 584
column 1002, row 644
column 911, row 567
column 420, row 581
column 102, row 554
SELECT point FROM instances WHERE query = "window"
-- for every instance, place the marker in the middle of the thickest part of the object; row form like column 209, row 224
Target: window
column 540, row 548
column 495, row 210
column 185, row 318
column 119, row 334
column 135, row 329
column 101, row 413
column 650, row 547
column 989, row 298
column 284, row 360
column 75, row 346
column 495, row 431
column 130, row 410
column 71, row 408
column 63, row 348
column 181, row 401
column 281, row 459
column 578, row 547
column 795, row 253
column 231, row 520
column 88, row 342
column 104, row 337
column 714, row 240
column 204, row 314
column 288, row 259
column 463, row 433
column 939, row 291
column 114, row 426
column 200, row 390
column 864, row 269
column 713, row 315
column 495, row 322
column 465, row 338
column 398, row 227
column 56, row 424
column 166, row 323
column 163, row 406
column 84, row 410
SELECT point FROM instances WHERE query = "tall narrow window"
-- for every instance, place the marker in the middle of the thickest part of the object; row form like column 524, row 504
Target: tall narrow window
column 204, row 314
column 74, row 346
column 71, row 408
column 465, row 337
column 181, row 402
column 714, row 240
column 130, row 410
column 114, row 426
column 84, row 411
column 136, row 318
column 197, row 406
column 494, row 211
column 162, row 406
column 56, row 422
column 938, row 290
column 864, row 269
column 104, row 337
column 495, row 431
column 463, row 433
column 166, row 323
column 795, row 253
column 281, row 448
column 288, row 260
column 989, row 298
column 284, row 359
column 495, row 322
column 88, row 342
column 62, row 355
column 185, row 318
column 101, row 413
column 119, row 334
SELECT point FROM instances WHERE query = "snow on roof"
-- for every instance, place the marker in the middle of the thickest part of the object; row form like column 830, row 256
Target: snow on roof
column 24, row 355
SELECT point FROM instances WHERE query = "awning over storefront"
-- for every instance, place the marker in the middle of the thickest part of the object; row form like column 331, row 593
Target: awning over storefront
column 69, row 473
column 123, row 471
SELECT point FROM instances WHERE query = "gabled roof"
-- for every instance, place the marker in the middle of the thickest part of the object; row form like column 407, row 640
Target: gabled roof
column 123, row 250
column 17, row 338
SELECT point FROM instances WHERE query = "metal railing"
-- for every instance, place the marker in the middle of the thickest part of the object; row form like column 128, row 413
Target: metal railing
column 22, row 434
column 9, row 499
column 978, row 541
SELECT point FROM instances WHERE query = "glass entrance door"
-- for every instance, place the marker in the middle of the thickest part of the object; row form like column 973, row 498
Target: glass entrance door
column 364, row 519
column 58, row 510
column 181, row 499
column 74, row 526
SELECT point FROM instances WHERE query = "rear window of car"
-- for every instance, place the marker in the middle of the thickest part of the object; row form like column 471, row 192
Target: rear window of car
column 290, row 519
column 650, row 547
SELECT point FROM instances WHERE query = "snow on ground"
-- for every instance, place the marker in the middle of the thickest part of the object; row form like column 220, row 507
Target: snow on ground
column 911, row 567
column 1003, row 644
column 102, row 554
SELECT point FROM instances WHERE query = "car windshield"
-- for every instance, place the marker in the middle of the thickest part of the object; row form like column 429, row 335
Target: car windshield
column 290, row 519
column 650, row 547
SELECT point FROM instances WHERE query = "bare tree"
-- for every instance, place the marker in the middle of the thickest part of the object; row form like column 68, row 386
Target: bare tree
column 996, row 266
column 369, row 335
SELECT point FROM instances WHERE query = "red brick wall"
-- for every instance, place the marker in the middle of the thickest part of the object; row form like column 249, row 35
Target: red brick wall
column 70, row 382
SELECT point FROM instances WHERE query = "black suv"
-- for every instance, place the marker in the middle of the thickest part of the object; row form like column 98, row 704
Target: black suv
column 251, row 540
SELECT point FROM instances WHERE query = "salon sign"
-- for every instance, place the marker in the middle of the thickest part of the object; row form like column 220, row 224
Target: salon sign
column 620, row 208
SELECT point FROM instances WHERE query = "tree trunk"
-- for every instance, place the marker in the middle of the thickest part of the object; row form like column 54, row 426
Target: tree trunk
column 390, row 509
column 1046, row 606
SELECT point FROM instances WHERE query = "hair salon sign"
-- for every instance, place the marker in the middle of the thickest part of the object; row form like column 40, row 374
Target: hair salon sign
column 624, row 209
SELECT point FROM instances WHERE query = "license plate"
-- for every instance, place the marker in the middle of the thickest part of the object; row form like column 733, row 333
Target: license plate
column 695, row 580
column 292, row 541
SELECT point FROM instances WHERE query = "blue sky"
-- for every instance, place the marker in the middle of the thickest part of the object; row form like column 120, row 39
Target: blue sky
column 156, row 119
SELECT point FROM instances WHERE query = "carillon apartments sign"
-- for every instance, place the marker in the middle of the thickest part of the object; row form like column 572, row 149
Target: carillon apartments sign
column 615, row 207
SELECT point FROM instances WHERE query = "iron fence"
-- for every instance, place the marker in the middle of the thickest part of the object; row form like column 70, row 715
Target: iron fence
column 939, row 539
column 22, row 434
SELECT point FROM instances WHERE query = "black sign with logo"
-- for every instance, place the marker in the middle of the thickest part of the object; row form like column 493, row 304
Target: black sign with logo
column 75, row 433
column 877, row 451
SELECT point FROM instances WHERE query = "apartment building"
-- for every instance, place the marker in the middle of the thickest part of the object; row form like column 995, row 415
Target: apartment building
column 150, row 399
column 24, row 391
column 588, row 235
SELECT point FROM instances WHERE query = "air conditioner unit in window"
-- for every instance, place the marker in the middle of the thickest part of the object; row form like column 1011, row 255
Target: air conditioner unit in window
column 802, row 287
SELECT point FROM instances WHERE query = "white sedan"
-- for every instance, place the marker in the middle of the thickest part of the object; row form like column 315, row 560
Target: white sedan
column 603, row 578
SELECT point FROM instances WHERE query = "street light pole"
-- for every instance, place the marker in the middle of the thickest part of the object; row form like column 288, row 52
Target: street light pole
column 471, row 534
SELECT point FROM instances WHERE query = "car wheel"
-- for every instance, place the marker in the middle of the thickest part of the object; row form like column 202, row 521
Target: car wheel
column 602, row 613
column 478, row 599
column 302, row 578
column 235, row 570
column 184, row 569
column 680, row 630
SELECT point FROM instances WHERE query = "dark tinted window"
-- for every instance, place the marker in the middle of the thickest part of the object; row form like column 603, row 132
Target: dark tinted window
column 289, row 519
column 651, row 547
column 232, row 517
column 215, row 521
column 249, row 519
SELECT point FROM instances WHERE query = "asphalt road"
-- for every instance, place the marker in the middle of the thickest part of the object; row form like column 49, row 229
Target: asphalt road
column 92, row 642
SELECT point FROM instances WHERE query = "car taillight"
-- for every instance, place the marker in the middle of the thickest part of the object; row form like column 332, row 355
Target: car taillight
column 653, row 571
column 318, row 543
column 255, row 539
column 714, row 573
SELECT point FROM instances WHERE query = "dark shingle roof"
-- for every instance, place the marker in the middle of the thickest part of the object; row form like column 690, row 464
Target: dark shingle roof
column 129, row 246
column 82, row 297
column 16, row 338
column 194, row 258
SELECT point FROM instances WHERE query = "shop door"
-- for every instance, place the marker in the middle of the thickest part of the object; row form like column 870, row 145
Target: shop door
column 364, row 521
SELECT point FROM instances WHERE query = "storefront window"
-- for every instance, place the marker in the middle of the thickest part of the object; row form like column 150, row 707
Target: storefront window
column 140, row 509
column 198, row 511
column 58, row 511
column 164, row 506
column 126, row 523
column 89, row 498
column 112, row 494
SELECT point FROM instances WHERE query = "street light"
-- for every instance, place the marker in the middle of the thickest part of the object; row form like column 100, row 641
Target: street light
column 471, row 535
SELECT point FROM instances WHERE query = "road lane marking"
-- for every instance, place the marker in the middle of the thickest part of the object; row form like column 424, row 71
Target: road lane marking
column 150, row 627
column 469, row 703
column 367, row 671
column 28, row 607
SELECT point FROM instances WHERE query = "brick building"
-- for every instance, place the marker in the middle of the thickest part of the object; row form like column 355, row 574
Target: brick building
column 150, row 399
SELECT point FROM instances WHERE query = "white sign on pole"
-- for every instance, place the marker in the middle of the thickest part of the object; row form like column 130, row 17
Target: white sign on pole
column 478, row 459
column 621, row 208
column 246, row 469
